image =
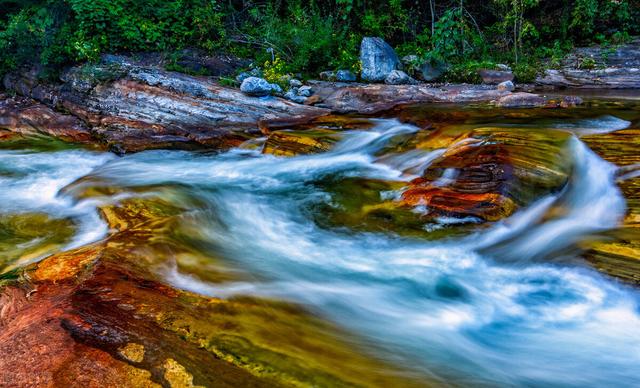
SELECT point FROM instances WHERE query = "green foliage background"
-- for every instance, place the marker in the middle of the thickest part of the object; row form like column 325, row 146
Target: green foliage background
column 314, row 35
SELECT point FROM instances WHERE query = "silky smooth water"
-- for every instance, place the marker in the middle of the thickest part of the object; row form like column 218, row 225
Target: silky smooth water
column 507, row 304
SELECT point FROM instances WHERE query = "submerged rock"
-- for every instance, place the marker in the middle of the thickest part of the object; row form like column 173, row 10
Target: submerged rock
column 291, row 143
column 521, row 100
column 491, row 172
column 378, row 59
column 618, row 253
column 102, row 316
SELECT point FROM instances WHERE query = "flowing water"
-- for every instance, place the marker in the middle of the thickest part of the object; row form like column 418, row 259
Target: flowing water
column 456, row 300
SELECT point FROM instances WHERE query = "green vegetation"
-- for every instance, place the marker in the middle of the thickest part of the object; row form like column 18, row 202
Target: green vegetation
column 308, row 36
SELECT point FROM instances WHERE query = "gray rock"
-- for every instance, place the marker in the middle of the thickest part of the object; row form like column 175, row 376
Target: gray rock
column 506, row 86
column 378, row 59
column 254, row 86
column 328, row 75
column 295, row 83
column 494, row 77
column 345, row 76
column 305, row 91
column 503, row 67
column 399, row 77
column 291, row 95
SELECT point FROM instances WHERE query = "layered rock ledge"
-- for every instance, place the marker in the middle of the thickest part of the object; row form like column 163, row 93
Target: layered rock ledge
column 129, row 108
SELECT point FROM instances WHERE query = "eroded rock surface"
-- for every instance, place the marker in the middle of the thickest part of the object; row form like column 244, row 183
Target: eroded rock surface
column 131, row 108
column 490, row 172
column 27, row 117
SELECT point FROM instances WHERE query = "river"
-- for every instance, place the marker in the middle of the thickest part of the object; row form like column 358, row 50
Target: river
column 455, row 299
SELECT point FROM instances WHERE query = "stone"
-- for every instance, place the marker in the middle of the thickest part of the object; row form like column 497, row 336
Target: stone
column 292, row 143
column 345, row 76
column 243, row 76
column 295, row 83
column 503, row 67
column 521, row 100
column 399, row 77
column 148, row 108
column 292, row 95
column 328, row 75
column 254, row 86
column 305, row 91
column 28, row 117
column 507, row 86
column 494, row 77
column 132, row 352
column 490, row 172
column 374, row 98
column 378, row 59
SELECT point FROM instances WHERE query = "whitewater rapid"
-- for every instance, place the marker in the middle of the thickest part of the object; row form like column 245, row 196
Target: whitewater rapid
column 506, row 305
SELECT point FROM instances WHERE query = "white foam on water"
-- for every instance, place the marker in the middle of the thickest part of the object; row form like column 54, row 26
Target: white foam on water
column 484, row 308
column 33, row 181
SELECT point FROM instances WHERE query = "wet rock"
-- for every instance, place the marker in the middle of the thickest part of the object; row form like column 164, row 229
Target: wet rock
column 295, row 83
column 618, row 252
column 378, row 59
column 521, row 100
column 507, row 86
column 132, row 352
column 28, row 117
column 489, row 173
column 494, row 77
column 254, row 86
column 292, row 143
column 345, row 76
column 399, row 77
